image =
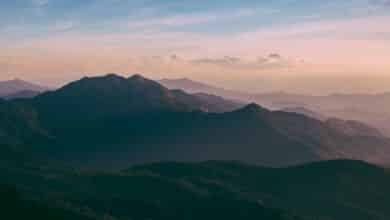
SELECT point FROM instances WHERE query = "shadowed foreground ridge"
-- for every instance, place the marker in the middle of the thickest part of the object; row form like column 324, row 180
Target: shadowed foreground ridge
column 332, row 190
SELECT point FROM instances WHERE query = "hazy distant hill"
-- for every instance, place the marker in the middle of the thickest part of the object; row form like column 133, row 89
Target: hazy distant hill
column 371, row 109
column 121, row 121
column 191, row 86
column 305, row 111
column 219, row 103
column 348, row 127
column 19, row 89
column 22, row 94
column 353, row 128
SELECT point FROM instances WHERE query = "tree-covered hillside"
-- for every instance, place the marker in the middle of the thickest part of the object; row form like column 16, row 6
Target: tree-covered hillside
column 334, row 190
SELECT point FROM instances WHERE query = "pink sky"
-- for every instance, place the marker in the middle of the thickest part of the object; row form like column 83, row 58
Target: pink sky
column 356, row 49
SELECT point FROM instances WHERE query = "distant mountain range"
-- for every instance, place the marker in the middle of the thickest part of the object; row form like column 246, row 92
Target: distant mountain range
column 371, row 109
column 305, row 111
column 112, row 120
column 22, row 94
column 191, row 86
column 19, row 89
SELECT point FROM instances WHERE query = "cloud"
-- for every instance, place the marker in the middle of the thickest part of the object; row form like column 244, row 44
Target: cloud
column 40, row 3
column 274, row 56
column 62, row 26
column 227, row 60
column 192, row 19
column 381, row 2
column 39, row 7
column 272, row 61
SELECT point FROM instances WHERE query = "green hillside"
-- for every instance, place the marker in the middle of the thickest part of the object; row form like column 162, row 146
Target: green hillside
column 333, row 190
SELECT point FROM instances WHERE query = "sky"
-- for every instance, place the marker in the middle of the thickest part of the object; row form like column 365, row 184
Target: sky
column 301, row 46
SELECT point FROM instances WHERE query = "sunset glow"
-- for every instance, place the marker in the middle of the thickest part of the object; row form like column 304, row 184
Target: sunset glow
column 238, row 43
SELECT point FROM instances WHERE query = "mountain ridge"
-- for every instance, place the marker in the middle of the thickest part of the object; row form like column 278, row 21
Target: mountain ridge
column 11, row 87
column 367, row 108
column 136, row 120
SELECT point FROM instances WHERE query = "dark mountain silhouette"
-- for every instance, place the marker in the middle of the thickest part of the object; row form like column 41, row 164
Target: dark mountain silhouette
column 12, row 87
column 121, row 121
column 115, row 95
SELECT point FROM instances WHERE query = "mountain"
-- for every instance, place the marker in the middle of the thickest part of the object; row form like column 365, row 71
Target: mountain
column 67, row 154
column 116, row 121
column 12, row 88
column 353, row 128
column 338, row 189
column 19, row 128
column 370, row 109
column 305, row 111
column 348, row 127
column 186, row 84
column 16, row 208
column 22, row 94
column 217, row 103
column 328, row 190
column 191, row 86
column 114, row 94
column 59, row 194
column 112, row 97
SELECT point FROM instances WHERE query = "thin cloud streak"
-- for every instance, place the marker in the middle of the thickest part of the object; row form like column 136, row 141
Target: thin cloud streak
column 190, row 19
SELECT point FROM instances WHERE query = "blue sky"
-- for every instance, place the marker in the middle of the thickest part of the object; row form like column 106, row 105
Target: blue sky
column 228, row 41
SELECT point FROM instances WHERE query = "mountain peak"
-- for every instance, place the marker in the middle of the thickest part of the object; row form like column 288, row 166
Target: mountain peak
column 113, row 83
column 137, row 77
column 115, row 95
column 113, row 75
column 253, row 107
column 97, row 82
